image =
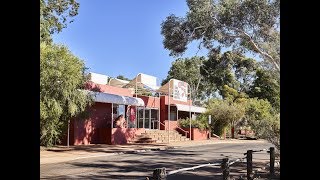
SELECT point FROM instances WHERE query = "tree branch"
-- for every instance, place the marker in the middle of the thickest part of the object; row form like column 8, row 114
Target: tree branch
column 195, row 30
column 255, row 46
column 199, row 47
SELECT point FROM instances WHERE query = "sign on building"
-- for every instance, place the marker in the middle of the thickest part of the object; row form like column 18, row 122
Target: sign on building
column 180, row 90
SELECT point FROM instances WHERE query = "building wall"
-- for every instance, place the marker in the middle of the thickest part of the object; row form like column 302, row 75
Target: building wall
column 94, row 129
column 164, row 112
column 124, row 135
column 150, row 102
column 197, row 134
column 173, row 124
column 165, row 101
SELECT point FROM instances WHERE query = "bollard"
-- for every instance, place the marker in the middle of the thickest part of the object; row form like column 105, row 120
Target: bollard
column 272, row 159
column 159, row 174
column 249, row 165
column 225, row 168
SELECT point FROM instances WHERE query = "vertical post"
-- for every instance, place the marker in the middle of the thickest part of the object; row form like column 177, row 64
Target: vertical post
column 68, row 132
column 111, row 117
column 144, row 116
column 159, row 112
column 272, row 159
column 249, row 165
column 177, row 114
column 136, row 92
column 126, row 115
column 159, row 174
column 190, row 110
column 225, row 168
column 169, row 113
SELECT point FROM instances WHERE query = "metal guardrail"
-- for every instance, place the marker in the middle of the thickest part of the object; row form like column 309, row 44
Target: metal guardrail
column 192, row 168
column 160, row 173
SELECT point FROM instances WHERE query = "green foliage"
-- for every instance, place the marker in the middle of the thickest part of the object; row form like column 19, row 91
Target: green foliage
column 245, row 26
column 231, row 69
column 224, row 113
column 266, row 86
column 188, row 70
column 199, row 123
column 233, row 95
column 61, row 77
column 55, row 15
column 123, row 78
column 262, row 119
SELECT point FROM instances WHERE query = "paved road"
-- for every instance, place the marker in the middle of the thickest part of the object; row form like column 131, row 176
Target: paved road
column 141, row 165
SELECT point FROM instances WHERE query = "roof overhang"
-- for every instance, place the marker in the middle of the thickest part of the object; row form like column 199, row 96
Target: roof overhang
column 116, row 99
column 187, row 108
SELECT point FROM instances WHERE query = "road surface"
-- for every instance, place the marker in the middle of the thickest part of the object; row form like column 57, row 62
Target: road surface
column 141, row 165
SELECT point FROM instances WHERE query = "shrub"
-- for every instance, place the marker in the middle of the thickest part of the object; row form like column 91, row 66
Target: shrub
column 197, row 123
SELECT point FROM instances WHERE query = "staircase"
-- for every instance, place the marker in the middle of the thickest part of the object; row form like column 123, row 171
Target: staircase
column 158, row 136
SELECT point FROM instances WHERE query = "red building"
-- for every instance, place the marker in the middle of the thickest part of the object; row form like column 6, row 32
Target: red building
column 144, row 107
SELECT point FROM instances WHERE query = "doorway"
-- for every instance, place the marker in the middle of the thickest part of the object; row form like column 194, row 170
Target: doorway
column 148, row 118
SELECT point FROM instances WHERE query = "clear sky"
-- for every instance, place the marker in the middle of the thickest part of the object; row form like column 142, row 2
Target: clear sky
column 116, row 37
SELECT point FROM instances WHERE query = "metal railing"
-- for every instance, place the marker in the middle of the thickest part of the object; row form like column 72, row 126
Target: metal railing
column 165, row 128
column 185, row 132
column 161, row 173
column 162, row 124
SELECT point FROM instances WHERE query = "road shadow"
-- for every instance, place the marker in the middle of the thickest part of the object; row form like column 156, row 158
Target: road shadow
column 122, row 167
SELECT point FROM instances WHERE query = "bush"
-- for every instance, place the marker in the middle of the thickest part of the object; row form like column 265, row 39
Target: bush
column 198, row 123
column 263, row 120
column 224, row 113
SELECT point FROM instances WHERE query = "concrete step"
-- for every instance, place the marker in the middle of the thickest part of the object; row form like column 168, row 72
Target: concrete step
column 159, row 136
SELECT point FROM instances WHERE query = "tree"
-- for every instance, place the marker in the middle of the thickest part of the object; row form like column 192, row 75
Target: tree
column 231, row 69
column 264, row 121
column 266, row 86
column 245, row 26
column 224, row 113
column 61, row 77
column 188, row 70
column 55, row 15
column 123, row 78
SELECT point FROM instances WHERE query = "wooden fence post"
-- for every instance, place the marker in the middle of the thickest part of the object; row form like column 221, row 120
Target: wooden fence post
column 225, row 168
column 272, row 159
column 159, row 174
column 249, row 165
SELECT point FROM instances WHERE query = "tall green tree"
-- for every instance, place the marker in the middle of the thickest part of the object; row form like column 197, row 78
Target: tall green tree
column 266, row 86
column 188, row 70
column 61, row 76
column 55, row 15
column 260, row 115
column 243, row 25
column 231, row 69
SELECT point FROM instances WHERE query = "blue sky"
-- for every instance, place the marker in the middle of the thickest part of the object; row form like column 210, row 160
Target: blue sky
column 123, row 37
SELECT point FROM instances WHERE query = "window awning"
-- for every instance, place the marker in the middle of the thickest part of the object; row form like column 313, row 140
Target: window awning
column 116, row 99
column 196, row 109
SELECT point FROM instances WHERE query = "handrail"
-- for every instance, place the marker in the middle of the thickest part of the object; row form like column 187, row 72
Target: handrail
column 162, row 124
column 185, row 132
